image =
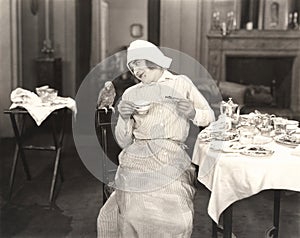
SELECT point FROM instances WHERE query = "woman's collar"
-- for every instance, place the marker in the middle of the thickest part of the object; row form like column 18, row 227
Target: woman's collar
column 165, row 76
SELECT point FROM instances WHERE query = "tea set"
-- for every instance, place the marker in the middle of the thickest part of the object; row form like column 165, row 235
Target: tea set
column 251, row 131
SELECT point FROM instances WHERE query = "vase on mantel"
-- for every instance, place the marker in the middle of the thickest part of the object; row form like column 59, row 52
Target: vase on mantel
column 47, row 49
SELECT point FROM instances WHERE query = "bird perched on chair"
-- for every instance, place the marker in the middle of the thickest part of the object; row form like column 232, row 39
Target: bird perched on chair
column 106, row 97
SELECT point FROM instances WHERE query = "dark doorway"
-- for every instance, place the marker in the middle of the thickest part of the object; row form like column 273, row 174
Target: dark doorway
column 154, row 21
column 83, row 39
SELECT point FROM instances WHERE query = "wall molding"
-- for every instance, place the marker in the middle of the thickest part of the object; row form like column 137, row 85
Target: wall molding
column 64, row 39
column 16, row 43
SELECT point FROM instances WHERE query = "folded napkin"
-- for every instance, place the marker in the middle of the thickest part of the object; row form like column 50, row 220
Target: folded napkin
column 38, row 110
column 222, row 124
column 296, row 151
column 20, row 95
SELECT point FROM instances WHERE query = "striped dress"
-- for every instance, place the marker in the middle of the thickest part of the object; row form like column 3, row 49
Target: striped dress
column 155, row 179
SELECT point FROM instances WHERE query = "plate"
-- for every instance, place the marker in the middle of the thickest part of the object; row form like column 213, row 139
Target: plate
column 259, row 140
column 257, row 151
column 289, row 140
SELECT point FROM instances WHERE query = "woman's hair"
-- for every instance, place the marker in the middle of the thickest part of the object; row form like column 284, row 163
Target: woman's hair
column 150, row 64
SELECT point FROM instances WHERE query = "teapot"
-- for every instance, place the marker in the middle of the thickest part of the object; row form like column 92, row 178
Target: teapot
column 230, row 109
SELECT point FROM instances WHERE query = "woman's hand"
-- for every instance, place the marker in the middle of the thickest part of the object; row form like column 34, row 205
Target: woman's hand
column 126, row 109
column 185, row 107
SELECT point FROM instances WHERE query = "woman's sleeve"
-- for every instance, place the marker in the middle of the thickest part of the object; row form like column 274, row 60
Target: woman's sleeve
column 204, row 114
column 124, row 130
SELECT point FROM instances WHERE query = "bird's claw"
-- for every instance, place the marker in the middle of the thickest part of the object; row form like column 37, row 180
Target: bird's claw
column 112, row 108
column 105, row 109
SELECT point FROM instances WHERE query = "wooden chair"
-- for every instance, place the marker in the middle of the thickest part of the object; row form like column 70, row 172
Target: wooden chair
column 103, row 124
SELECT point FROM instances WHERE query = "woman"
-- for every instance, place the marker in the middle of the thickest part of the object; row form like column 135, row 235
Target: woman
column 154, row 182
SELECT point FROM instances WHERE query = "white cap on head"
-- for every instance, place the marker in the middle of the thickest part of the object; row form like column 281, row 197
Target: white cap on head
column 141, row 49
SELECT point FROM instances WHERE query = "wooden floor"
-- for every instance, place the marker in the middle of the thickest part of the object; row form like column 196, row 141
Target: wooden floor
column 74, row 214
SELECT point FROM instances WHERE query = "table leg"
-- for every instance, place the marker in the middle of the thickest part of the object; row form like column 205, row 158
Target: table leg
column 13, row 171
column 273, row 231
column 58, row 141
column 227, row 220
column 214, row 229
column 61, row 139
column 54, row 177
column 58, row 146
column 20, row 146
column 54, row 132
column 276, row 212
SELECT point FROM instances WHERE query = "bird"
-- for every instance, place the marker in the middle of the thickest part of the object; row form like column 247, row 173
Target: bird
column 106, row 97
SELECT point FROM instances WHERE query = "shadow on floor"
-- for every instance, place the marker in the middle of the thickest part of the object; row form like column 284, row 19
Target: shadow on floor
column 79, row 199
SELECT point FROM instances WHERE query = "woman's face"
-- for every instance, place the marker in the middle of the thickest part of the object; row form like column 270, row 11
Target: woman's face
column 143, row 72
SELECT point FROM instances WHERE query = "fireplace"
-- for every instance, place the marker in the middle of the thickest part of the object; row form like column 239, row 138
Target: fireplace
column 270, row 59
column 273, row 73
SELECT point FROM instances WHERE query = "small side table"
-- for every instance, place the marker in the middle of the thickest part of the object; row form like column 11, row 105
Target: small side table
column 57, row 134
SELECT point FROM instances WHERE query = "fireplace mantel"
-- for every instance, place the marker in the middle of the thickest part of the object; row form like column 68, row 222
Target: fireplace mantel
column 256, row 43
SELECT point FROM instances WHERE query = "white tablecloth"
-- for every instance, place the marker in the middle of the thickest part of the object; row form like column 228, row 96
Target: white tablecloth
column 232, row 176
column 40, row 111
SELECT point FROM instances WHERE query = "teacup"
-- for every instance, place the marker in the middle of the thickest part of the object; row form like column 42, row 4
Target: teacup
column 292, row 125
column 142, row 107
column 247, row 134
column 280, row 125
column 46, row 94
